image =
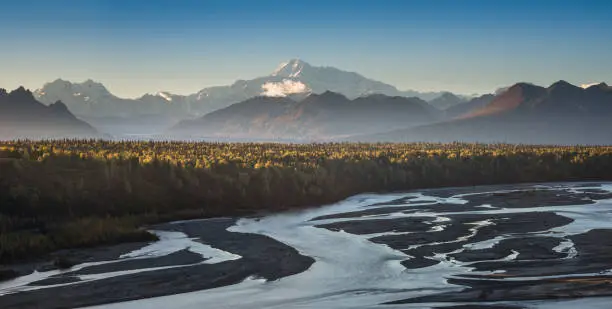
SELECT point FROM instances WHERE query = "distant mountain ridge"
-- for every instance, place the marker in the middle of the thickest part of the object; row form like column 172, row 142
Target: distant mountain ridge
column 298, row 100
column 525, row 113
column 561, row 113
column 446, row 101
column 317, row 117
column 464, row 108
column 297, row 76
column 92, row 99
column 22, row 116
column 559, row 99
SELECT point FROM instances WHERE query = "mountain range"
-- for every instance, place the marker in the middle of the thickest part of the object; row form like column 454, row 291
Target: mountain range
column 152, row 113
column 523, row 113
column 316, row 117
column 22, row 116
column 300, row 102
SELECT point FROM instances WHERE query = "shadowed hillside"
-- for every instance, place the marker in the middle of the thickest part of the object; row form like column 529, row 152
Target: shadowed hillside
column 525, row 113
column 318, row 116
column 21, row 116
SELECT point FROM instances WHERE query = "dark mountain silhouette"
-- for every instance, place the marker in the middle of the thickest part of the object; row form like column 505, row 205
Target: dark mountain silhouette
column 22, row 116
column 318, row 116
column 94, row 103
column 466, row 108
column 446, row 100
column 525, row 113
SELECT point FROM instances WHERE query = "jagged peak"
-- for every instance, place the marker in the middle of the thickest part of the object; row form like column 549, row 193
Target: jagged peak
column 291, row 68
column 92, row 84
column 58, row 82
column 561, row 84
column 21, row 91
column 22, row 95
column 297, row 61
column 86, row 83
column 88, row 87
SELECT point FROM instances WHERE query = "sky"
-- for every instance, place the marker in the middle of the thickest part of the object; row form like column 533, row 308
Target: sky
column 136, row 47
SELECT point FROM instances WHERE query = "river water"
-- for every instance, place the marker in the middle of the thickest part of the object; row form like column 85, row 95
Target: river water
column 357, row 266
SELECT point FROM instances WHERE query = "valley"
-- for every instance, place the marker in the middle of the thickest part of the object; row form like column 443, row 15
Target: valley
column 305, row 154
column 511, row 246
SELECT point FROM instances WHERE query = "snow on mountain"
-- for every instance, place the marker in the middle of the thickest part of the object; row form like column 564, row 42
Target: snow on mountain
column 81, row 98
column 22, row 116
column 585, row 86
column 165, row 95
column 322, row 79
column 292, row 68
column 92, row 99
column 66, row 91
column 292, row 77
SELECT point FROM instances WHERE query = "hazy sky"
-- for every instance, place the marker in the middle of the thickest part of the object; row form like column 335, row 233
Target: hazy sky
column 465, row 46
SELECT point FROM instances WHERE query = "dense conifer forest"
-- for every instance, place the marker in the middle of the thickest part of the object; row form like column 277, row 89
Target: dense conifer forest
column 79, row 193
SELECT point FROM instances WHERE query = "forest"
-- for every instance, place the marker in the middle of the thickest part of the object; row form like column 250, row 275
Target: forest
column 60, row 194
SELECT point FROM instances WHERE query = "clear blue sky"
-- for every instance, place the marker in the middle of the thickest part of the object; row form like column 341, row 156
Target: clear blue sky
column 181, row 46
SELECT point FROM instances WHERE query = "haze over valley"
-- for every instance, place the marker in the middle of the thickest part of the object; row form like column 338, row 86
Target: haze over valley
column 21, row 116
column 155, row 113
column 300, row 102
column 305, row 154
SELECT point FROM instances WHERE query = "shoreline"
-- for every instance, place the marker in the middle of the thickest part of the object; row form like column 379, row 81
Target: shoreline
column 118, row 187
column 263, row 257
column 112, row 251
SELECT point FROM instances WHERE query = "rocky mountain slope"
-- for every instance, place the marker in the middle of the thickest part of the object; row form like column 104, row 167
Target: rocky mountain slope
column 22, row 116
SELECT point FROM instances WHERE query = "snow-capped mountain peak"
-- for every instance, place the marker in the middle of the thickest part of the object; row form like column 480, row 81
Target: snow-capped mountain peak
column 67, row 92
column 60, row 87
column 292, row 78
column 93, row 85
column 165, row 95
column 291, row 69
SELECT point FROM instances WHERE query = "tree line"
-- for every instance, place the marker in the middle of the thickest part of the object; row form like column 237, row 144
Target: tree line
column 75, row 193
